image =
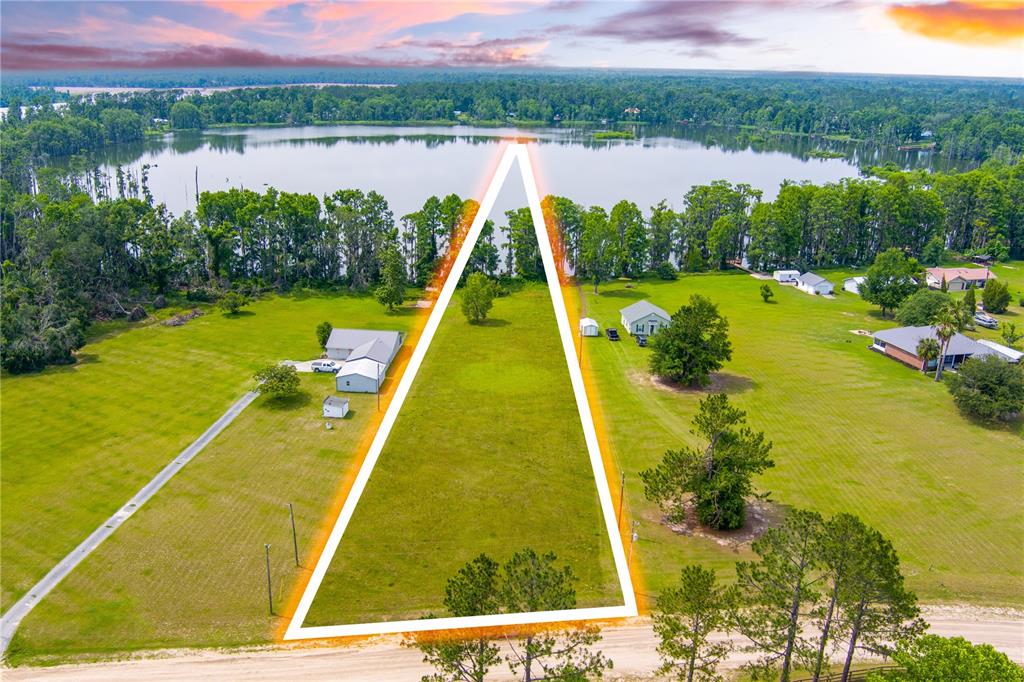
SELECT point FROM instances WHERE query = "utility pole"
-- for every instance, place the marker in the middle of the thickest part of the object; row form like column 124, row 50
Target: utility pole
column 295, row 538
column 622, row 497
column 269, row 590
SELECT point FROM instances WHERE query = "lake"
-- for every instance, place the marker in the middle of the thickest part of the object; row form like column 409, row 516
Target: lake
column 407, row 164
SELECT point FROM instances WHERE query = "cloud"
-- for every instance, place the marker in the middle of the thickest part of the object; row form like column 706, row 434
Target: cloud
column 694, row 23
column 247, row 9
column 970, row 22
column 477, row 52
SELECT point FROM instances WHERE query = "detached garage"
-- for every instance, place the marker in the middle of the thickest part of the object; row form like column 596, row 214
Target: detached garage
column 588, row 327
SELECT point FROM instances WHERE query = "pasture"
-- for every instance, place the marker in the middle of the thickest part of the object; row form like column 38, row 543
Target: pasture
column 79, row 440
column 852, row 430
column 487, row 455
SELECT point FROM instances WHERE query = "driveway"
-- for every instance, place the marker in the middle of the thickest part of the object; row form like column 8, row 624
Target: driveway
column 304, row 365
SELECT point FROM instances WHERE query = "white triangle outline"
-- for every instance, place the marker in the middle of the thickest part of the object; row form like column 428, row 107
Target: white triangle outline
column 514, row 152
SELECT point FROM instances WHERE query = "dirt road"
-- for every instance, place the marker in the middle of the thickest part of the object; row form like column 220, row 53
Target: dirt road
column 630, row 646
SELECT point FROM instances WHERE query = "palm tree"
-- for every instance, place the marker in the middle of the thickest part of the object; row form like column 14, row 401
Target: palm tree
column 948, row 321
column 928, row 350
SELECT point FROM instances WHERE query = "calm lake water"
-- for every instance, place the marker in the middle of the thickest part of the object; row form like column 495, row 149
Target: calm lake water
column 408, row 164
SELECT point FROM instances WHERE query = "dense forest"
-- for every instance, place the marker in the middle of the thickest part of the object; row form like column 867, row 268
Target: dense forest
column 70, row 258
column 964, row 119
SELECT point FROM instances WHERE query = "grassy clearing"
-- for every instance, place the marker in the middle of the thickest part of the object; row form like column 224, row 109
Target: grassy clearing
column 78, row 441
column 188, row 569
column 853, row 431
column 487, row 455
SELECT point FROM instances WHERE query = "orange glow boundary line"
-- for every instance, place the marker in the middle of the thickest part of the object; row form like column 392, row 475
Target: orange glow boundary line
column 451, row 270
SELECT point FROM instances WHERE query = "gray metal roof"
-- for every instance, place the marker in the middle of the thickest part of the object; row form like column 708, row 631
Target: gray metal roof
column 375, row 349
column 642, row 309
column 335, row 401
column 364, row 367
column 811, row 279
column 907, row 338
column 354, row 338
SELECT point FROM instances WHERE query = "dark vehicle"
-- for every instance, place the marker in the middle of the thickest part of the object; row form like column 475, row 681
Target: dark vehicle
column 612, row 333
column 641, row 341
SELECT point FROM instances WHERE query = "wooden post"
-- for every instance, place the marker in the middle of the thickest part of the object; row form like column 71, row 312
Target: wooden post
column 270, row 592
column 295, row 538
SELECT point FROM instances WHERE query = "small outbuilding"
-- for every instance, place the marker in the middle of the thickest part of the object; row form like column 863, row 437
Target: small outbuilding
column 853, row 284
column 335, row 407
column 643, row 318
column 813, row 284
column 1011, row 355
column 786, row 276
column 588, row 327
column 360, row 376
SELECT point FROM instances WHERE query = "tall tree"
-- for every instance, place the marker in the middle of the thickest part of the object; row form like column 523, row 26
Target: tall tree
column 473, row 591
column 949, row 321
column 598, row 247
column 663, row 226
column 532, row 582
column 718, row 475
column 391, row 291
column 778, row 591
column 892, row 278
column 628, row 224
column 694, row 344
column 685, row 618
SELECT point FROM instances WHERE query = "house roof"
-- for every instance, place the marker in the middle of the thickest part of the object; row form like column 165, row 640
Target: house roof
column 1011, row 354
column 858, row 280
column 786, row 272
column 907, row 338
column 375, row 349
column 969, row 274
column 588, row 321
column 642, row 309
column 353, row 338
column 335, row 401
column 364, row 367
column 811, row 279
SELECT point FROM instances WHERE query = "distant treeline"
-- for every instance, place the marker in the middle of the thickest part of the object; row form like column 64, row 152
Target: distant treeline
column 965, row 119
column 69, row 259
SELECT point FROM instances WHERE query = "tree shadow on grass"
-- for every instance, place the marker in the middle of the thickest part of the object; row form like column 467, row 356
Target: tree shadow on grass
column 720, row 382
column 293, row 402
column 491, row 322
column 619, row 293
column 240, row 313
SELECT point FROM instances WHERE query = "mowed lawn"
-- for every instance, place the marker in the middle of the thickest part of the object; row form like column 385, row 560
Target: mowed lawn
column 853, row 431
column 188, row 570
column 487, row 456
column 78, row 441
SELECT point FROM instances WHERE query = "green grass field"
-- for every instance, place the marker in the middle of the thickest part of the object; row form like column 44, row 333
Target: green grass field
column 487, row 455
column 78, row 441
column 853, row 431
column 188, row 569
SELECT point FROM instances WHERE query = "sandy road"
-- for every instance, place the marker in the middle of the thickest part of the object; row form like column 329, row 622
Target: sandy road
column 630, row 646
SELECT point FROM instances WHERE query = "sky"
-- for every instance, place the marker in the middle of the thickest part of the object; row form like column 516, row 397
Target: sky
column 945, row 37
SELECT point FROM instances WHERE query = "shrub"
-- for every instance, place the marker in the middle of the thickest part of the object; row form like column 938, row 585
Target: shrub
column 478, row 297
column 323, row 332
column 931, row 658
column 766, row 292
column 666, row 270
column 995, row 296
column 232, row 302
column 988, row 388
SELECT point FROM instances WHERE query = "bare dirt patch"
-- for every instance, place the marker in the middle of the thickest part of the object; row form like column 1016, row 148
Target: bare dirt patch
column 861, row 332
column 761, row 515
column 721, row 382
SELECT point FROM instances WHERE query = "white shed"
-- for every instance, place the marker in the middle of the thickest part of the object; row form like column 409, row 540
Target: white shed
column 335, row 407
column 786, row 275
column 360, row 376
column 813, row 284
column 588, row 327
column 1011, row 355
column 643, row 318
column 852, row 284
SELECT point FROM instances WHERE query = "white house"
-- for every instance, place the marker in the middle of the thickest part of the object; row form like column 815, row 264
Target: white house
column 342, row 342
column 335, row 407
column 853, row 284
column 786, row 275
column 813, row 284
column 643, row 318
column 360, row 376
column 588, row 327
